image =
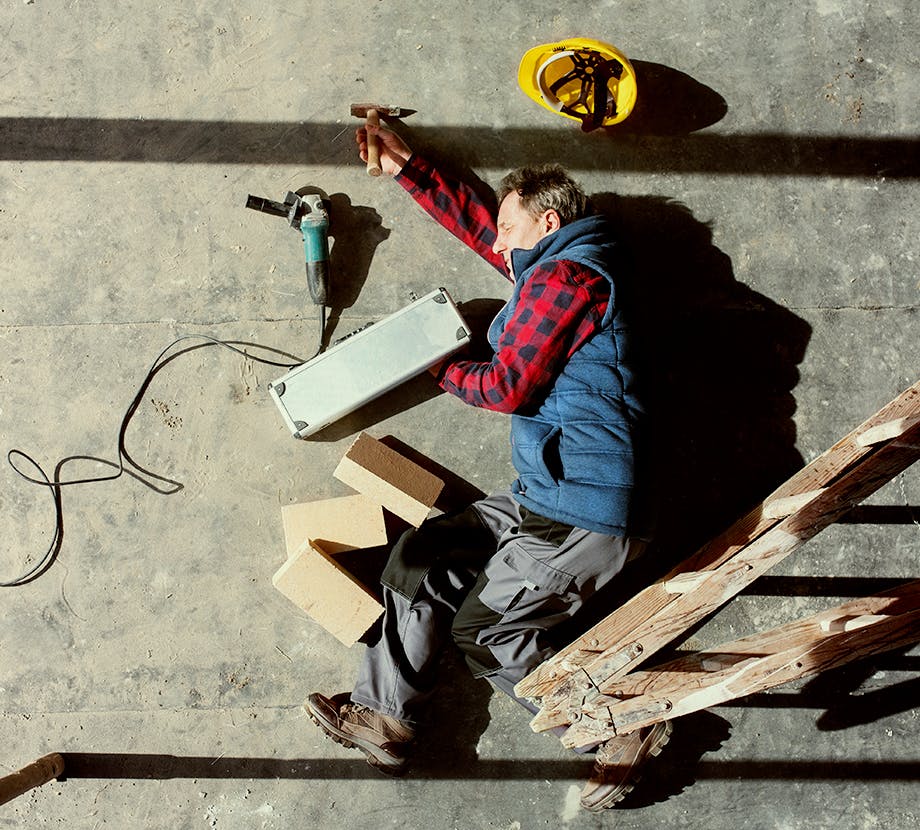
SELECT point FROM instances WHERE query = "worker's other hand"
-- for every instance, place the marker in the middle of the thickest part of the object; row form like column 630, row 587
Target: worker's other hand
column 394, row 152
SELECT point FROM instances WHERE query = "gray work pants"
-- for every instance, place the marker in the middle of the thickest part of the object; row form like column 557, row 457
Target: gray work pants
column 494, row 578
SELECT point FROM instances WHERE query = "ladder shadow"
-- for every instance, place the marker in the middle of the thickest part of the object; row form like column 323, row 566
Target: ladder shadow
column 852, row 700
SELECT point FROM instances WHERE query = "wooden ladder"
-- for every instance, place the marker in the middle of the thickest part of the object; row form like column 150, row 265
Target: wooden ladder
column 591, row 686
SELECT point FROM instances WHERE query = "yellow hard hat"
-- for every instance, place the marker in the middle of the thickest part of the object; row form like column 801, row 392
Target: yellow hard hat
column 581, row 79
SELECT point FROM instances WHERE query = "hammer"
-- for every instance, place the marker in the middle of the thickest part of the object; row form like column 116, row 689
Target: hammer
column 371, row 113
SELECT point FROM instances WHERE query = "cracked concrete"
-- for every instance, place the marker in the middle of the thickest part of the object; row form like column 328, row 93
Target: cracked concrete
column 768, row 185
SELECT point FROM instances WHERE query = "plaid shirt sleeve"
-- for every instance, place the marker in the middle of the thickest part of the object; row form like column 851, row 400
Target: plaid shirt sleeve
column 560, row 306
column 456, row 206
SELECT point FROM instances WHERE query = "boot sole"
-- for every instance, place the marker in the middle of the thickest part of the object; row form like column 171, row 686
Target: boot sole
column 654, row 750
column 384, row 765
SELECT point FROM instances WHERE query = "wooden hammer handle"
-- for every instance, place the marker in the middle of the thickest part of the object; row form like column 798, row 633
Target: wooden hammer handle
column 372, row 119
column 37, row 773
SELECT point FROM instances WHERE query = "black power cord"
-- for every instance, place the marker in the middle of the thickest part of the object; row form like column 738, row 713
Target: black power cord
column 125, row 463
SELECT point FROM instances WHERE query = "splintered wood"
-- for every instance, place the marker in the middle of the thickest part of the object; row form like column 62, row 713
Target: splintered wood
column 707, row 678
column 589, row 686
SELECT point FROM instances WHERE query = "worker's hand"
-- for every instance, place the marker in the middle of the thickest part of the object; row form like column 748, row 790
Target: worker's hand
column 394, row 152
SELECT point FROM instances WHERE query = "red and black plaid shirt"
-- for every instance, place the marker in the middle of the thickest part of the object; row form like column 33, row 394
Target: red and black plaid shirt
column 560, row 306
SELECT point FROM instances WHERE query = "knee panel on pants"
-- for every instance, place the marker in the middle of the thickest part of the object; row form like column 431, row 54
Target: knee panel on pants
column 459, row 542
column 470, row 620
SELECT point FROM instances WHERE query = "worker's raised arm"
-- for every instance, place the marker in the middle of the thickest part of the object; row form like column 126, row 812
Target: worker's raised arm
column 455, row 205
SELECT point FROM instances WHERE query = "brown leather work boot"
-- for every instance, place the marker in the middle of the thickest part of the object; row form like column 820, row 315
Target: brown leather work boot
column 384, row 740
column 618, row 763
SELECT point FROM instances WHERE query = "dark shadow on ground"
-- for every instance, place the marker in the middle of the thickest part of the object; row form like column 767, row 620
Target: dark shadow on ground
column 455, row 720
column 676, row 768
column 821, row 586
column 356, row 231
column 882, row 514
column 719, row 366
column 442, row 766
column 327, row 144
column 855, row 696
column 669, row 102
column 845, row 707
column 118, row 766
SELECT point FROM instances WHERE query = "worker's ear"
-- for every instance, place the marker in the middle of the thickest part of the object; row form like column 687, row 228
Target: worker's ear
column 550, row 221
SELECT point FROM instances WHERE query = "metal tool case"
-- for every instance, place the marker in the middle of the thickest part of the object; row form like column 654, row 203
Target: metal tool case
column 368, row 362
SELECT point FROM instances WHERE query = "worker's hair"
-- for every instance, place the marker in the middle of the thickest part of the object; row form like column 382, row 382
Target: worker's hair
column 546, row 187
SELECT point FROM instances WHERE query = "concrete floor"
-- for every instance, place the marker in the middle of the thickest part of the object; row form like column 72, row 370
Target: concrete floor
column 769, row 183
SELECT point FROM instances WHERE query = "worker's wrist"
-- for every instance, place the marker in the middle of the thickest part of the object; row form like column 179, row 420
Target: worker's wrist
column 404, row 165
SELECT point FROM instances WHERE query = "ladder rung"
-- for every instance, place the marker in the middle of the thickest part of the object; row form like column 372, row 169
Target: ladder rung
column 787, row 505
column 851, row 622
column 886, row 431
column 686, row 582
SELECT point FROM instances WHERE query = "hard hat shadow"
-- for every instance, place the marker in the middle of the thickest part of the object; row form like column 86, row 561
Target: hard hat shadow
column 669, row 102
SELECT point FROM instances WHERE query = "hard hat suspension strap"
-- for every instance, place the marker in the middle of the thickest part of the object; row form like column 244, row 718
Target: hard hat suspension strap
column 594, row 73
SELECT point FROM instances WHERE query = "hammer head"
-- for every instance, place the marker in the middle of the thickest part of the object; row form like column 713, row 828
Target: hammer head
column 384, row 111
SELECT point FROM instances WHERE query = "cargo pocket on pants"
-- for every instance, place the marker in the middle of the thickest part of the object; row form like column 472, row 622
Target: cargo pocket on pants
column 520, row 584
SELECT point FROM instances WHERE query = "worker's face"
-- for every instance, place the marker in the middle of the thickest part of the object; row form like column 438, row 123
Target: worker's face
column 519, row 229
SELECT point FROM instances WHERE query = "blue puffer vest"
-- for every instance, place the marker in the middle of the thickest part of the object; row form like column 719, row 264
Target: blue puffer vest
column 575, row 453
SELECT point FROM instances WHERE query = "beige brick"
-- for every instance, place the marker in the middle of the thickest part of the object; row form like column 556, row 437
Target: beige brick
column 390, row 479
column 346, row 523
column 315, row 583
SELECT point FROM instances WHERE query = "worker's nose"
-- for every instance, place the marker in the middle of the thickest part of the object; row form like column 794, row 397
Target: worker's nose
column 499, row 245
